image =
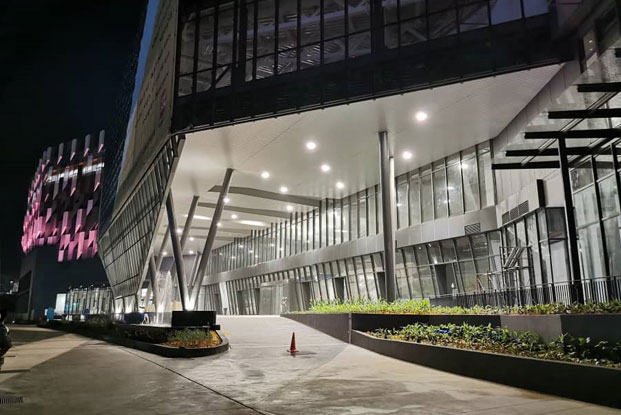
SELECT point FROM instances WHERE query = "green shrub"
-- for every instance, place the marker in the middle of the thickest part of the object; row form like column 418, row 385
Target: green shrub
column 423, row 306
column 502, row 340
column 189, row 336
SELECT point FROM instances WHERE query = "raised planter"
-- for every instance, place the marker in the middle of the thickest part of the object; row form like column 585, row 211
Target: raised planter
column 167, row 351
column 587, row 383
column 598, row 327
column 335, row 325
column 151, row 332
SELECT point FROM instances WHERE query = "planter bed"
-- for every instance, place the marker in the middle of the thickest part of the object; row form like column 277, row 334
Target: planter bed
column 588, row 383
column 606, row 327
column 119, row 335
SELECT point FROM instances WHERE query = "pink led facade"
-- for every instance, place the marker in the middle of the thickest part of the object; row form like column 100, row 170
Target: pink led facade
column 63, row 200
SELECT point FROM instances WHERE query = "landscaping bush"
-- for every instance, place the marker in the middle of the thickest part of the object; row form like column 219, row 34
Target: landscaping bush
column 192, row 338
column 502, row 340
column 423, row 306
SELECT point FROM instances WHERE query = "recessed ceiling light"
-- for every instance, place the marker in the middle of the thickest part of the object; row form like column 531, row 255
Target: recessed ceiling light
column 164, row 253
column 325, row 168
column 340, row 185
column 227, row 200
column 265, row 175
column 421, row 116
column 250, row 251
column 252, row 223
column 271, row 244
column 233, row 257
column 179, row 230
column 283, row 189
column 201, row 217
column 240, row 245
column 233, row 216
column 289, row 208
column 256, row 256
column 219, row 224
column 406, row 155
column 311, row 145
column 191, row 238
column 191, row 252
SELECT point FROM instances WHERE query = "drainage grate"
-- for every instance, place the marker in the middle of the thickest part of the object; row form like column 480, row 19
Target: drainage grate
column 11, row 400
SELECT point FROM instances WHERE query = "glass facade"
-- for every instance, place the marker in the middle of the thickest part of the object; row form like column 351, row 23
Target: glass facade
column 472, row 263
column 275, row 37
column 357, row 216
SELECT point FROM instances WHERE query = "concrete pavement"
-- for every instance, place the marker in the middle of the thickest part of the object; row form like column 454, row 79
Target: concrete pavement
column 65, row 373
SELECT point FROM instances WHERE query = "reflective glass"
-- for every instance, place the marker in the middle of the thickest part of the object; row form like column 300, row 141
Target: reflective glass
column 414, row 202
column 456, row 205
column 439, row 193
column 402, row 204
column 427, row 198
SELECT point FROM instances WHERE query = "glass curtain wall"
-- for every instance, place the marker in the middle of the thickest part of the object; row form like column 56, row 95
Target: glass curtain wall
column 429, row 193
column 265, row 38
column 467, row 264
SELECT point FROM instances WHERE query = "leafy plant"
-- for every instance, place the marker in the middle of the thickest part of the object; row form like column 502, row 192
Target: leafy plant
column 502, row 340
column 423, row 306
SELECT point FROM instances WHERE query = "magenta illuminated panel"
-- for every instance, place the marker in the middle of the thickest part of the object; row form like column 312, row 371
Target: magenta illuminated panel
column 63, row 201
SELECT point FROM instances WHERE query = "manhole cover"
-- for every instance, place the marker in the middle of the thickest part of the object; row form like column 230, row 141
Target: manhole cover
column 11, row 400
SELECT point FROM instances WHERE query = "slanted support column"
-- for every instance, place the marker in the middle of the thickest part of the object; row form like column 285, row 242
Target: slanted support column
column 153, row 270
column 570, row 222
column 211, row 236
column 177, row 251
column 387, row 184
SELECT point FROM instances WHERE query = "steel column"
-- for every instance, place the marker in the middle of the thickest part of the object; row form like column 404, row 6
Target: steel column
column 153, row 270
column 211, row 236
column 177, row 251
column 570, row 221
column 387, row 184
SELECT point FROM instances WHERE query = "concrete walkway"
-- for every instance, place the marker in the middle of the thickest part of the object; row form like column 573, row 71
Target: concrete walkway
column 68, row 374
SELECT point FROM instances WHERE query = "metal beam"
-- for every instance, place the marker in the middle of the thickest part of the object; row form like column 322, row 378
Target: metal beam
column 598, row 113
column 153, row 270
column 177, row 252
column 251, row 211
column 264, row 194
column 387, row 183
column 570, row 222
column 600, row 87
column 535, row 152
column 160, row 252
column 211, row 236
column 592, row 133
column 552, row 164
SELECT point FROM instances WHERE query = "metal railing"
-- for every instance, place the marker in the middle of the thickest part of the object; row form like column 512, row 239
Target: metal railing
column 595, row 290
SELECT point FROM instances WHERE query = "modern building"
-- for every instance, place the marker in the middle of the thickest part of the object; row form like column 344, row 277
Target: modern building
column 285, row 151
column 60, row 226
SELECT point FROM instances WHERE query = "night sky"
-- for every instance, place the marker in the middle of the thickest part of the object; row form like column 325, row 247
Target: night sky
column 61, row 71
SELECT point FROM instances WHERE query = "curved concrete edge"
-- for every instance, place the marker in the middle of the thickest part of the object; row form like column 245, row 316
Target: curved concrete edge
column 159, row 349
column 599, row 385
column 167, row 351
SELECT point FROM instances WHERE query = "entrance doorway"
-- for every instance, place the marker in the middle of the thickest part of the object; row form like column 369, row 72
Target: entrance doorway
column 446, row 278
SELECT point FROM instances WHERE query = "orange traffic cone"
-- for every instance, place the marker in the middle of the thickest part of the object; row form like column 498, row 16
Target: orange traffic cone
column 292, row 348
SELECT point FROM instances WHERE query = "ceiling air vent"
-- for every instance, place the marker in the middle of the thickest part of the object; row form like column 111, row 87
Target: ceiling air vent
column 474, row 228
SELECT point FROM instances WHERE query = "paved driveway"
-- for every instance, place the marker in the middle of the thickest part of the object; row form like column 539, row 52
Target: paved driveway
column 68, row 374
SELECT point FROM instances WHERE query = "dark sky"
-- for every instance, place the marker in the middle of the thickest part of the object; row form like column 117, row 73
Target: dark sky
column 61, row 71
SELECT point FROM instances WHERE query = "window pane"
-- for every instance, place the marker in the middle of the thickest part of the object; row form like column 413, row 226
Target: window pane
column 402, row 204
column 439, row 193
column 613, row 244
column 205, row 41
column 586, row 206
column 505, row 11
column 471, row 184
column 427, row 197
column 345, row 219
column 266, row 28
column 486, row 177
column 581, row 176
column 287, row 24
column 225, row 34
column 414, row 192
column 310, row 21
column 535, row 7
column 412, row 8
column 333, row 18
column 362, row 209
column 442, row 24
column 473, row 17
column 413, row 31
column 186, row 55
column 456, row 204
column 359, row 13
column 371, row 208
column 353, row 214
column 609, row 196
column 590, row 243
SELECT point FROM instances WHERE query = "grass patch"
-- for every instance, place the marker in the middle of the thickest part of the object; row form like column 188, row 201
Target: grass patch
column 192, row 339
column 502, row 340
column 423, row 306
